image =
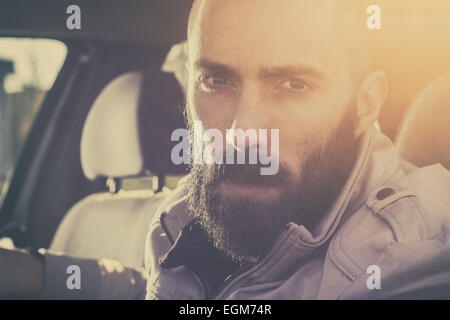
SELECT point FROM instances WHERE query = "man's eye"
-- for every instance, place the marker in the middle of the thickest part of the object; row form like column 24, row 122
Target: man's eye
column 295, row 85
column 213, row 81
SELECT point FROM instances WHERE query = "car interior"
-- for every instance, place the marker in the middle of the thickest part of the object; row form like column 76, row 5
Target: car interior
column 98, row 151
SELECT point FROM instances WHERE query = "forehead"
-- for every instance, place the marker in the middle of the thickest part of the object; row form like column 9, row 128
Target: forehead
column 257, row 33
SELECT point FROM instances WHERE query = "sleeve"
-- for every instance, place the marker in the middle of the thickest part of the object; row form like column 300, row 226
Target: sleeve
column 68, row 278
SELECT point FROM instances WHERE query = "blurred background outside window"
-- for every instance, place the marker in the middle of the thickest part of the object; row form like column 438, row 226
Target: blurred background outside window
column 28, row 69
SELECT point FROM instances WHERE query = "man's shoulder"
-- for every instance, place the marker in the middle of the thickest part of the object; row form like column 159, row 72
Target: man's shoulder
column 411, row 209
column 416, row 206
column 430, row 189
column 403, row 228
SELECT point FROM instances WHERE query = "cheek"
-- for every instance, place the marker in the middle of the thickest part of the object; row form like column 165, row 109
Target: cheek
column 215, row 111
column 293, row 152
column 297, row 145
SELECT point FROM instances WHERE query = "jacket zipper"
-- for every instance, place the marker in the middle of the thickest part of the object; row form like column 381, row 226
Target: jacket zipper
column 229, row 279
column 245, row 268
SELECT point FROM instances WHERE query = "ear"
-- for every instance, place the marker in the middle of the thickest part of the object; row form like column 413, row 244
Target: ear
column 371, row 97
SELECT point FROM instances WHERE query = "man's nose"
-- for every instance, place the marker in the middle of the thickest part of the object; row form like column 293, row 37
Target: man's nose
column 248, row 118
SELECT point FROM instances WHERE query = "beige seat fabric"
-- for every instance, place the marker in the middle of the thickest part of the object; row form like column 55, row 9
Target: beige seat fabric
column 109, row 225
column 424, row 136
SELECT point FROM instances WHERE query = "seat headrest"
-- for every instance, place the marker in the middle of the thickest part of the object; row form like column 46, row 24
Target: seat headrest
column 110, row 139
column 160, row 113
column 423, row 137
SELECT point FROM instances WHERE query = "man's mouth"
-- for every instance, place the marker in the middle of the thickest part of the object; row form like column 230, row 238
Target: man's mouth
column 248, row 190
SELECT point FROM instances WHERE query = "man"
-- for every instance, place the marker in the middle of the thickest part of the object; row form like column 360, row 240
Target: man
column 343, row 218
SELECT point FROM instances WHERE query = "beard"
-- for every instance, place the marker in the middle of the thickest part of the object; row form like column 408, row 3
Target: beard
column 244, row 228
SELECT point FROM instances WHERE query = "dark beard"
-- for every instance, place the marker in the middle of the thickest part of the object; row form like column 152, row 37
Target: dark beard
column 245, row 228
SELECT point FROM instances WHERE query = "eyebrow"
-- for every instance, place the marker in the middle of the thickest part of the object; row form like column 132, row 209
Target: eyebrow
column 290, row 71
column 265, row 72
column 216, row 67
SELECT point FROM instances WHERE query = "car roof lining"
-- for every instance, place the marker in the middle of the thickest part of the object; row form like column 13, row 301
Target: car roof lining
column 154, row 22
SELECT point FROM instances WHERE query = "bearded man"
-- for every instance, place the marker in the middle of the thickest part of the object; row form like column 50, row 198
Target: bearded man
column 343, row 218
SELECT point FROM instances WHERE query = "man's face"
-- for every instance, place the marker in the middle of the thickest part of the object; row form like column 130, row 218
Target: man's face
column 265, row 64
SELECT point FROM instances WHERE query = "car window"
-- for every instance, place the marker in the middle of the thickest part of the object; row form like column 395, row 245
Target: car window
column 28, row 69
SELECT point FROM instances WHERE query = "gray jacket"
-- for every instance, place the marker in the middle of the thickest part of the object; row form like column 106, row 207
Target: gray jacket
column 385, row 237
